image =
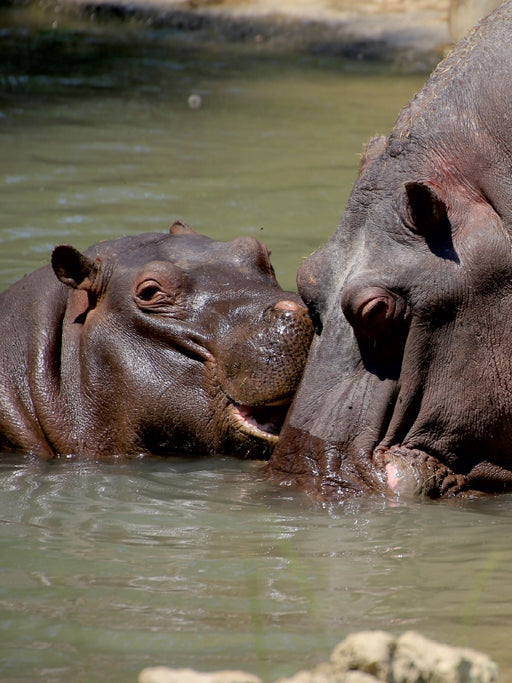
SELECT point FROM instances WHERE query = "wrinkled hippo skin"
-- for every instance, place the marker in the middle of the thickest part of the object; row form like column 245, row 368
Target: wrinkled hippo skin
column 408, row 389
column 158, row 343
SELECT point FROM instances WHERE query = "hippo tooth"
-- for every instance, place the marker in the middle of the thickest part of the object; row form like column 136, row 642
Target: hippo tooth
column 262, row 420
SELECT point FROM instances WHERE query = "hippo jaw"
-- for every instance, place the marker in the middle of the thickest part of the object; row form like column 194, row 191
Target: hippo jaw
column 408, row 473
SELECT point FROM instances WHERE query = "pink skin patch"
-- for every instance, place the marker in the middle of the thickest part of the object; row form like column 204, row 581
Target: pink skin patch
column 401, row 478
column 392, row 477
column 286, row 305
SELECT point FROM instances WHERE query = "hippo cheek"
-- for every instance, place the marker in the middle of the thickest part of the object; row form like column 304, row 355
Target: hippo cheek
column 355, row 410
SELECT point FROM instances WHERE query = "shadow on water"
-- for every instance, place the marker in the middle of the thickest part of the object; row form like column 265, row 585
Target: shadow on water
column 39, row 56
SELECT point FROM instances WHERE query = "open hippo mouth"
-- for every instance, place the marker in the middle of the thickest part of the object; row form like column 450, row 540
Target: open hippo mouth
column 263, row 421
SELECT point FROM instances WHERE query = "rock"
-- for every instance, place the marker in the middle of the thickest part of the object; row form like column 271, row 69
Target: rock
column 358, row 677
column 367, row 651
column 163, row 674
column 419, row 660
column 366, row 657
column 372, row 656
column 410, row 33
column 329, row 673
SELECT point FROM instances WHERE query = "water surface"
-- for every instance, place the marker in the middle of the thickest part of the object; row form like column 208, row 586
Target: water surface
column 110, row 568
column 107, row 568
column 102, row 142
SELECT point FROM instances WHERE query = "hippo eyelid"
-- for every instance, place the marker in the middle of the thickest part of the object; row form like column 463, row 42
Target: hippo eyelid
column 148, row 290
column 150, row 296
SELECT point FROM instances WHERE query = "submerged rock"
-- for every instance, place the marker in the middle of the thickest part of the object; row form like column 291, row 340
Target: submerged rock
column 366, row 657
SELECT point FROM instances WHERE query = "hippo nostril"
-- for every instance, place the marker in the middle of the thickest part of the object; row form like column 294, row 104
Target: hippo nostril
column 315, row 317
column 287, row 305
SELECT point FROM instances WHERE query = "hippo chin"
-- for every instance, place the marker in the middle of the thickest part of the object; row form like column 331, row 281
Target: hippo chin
column 157, row 343
column 408, row 389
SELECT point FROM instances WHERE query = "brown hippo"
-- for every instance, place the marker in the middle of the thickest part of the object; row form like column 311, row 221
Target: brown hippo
column 408, row 388
column 159, row 343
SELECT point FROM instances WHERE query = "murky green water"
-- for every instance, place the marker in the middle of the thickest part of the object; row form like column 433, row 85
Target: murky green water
column 106, row 569
column 103, row 143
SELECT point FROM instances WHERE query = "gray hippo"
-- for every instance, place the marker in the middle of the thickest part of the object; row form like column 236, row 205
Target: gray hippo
column 152, row 344
column 408, row 387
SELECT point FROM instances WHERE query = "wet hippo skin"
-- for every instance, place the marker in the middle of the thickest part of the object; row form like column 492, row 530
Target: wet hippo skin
column 408, row 387
column 158, row 343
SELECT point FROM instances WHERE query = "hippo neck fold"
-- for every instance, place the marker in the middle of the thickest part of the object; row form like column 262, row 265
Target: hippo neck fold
column 35, row 408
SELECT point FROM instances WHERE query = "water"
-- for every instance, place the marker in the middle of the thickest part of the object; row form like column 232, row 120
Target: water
column 102, row 143
column 108, row 568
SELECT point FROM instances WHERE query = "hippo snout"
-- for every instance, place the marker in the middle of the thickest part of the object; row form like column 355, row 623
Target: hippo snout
column 290, row 312
column 263, row 364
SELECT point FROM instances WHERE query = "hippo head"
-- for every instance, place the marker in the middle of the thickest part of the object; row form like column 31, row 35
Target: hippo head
column 408, row 389
column 409, row 383
column 178, row 343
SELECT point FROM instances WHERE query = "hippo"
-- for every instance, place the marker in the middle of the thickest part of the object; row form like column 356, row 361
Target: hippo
column 160, row 343
column 407, row 391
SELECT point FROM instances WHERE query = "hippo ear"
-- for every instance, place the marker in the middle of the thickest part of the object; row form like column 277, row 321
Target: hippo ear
column 73, row 268
column 427, row 215
column 426, row 210
column 181, row 228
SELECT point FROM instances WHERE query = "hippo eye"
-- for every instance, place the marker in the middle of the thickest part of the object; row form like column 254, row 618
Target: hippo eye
column 148, row 290
column 160, row 288
column 150, row 294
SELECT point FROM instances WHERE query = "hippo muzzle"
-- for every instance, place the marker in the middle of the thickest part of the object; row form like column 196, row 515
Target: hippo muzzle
column 260, row 370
